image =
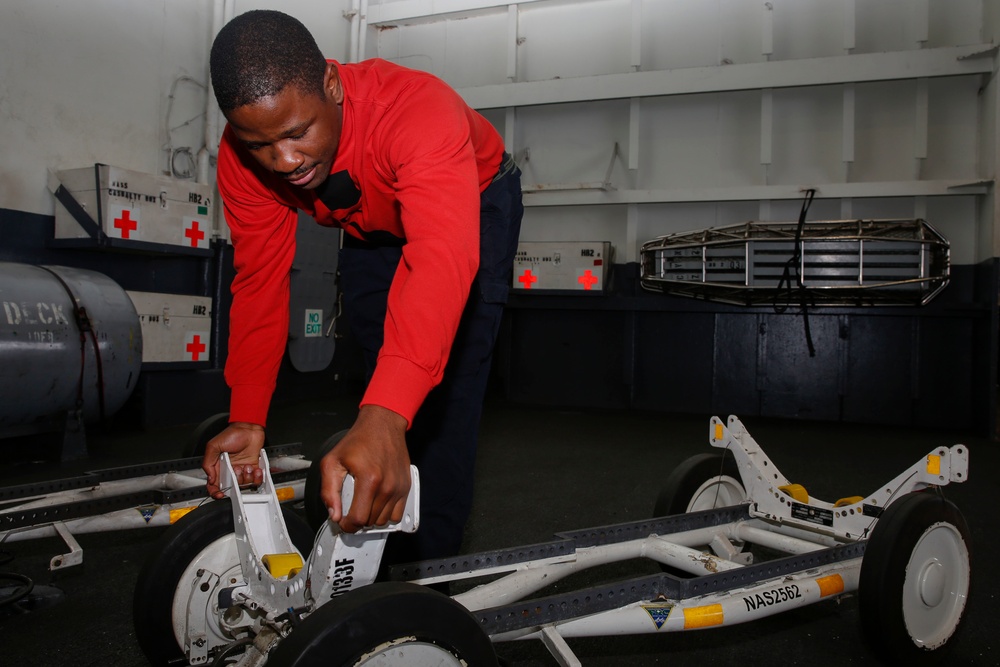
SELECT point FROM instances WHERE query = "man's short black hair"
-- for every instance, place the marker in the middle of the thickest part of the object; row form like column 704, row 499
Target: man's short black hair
column 259, row 53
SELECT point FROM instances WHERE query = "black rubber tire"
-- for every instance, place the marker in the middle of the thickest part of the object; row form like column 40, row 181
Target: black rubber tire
column 204, row 432
column 316, row 511
column 888, row 556
column 171, row 554
column 682, row 483
column 343, row 630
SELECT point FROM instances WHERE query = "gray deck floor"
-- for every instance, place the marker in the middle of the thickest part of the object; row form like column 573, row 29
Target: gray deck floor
column 541, row 472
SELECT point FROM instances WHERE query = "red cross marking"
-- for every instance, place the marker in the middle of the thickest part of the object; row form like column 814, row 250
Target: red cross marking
column 195, row 347
column 588, row 279
column 527, row 279
column 126, row 224
column 194, row 233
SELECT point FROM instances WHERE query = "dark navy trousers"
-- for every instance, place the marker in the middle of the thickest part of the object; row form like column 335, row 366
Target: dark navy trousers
column 442, row 438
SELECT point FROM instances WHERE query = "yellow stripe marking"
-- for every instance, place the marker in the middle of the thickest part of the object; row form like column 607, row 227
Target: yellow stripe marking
column 285, row 493
column 703, row 617
column 175, row 515
column 718, row 431
column 830, row 585
column 933, row 464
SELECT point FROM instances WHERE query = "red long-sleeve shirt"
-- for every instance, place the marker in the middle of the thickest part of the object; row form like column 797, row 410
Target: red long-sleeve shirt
column 420, row 157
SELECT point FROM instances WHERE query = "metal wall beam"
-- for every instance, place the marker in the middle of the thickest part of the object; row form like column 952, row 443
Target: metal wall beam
column 945, row 61
column 414, row 10
column 754, row 192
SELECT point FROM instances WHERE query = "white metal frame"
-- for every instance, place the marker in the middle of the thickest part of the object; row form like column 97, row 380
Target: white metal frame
column 57, row 513
column 825, row 542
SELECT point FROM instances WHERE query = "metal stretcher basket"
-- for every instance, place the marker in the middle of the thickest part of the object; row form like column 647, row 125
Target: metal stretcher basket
column 825, row 263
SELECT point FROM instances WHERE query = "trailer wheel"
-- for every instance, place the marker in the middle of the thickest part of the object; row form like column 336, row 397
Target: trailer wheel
column 914, row 581
column 316, row 512
column 702, row 482
column 201, row 539
column 397, row 624
column 203, row 432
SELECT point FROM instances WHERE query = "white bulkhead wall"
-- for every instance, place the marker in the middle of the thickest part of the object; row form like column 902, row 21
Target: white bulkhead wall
column 723, row 110
column 115, row 82
column 87, row 82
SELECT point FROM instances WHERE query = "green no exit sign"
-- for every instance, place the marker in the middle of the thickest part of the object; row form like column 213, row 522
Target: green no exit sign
column 314, row 323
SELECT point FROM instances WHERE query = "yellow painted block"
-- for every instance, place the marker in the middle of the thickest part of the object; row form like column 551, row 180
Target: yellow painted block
column 850, row 500
column 718, row 431
column 285, row 493
column 796, row 491
column 282, row 565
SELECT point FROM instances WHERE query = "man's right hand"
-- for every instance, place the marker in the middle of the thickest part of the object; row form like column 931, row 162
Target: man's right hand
column 243, row 442
column 374, row 453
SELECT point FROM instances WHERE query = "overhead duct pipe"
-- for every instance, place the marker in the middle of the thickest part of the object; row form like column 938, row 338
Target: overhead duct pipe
column 222, row 11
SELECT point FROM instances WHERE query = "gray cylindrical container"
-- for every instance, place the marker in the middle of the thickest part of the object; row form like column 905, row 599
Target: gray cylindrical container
column 69, row 340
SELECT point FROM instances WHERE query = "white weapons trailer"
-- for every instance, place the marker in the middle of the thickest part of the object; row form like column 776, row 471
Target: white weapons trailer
column 228, row 583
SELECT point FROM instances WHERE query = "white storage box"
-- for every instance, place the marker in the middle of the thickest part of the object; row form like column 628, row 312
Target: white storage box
column 176, row 328
column 552, row 266
column 107, row 206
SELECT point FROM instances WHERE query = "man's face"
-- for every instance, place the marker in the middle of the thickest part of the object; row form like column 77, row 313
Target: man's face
column 293, row 134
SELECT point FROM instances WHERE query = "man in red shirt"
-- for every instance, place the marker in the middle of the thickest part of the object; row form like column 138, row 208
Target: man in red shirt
column 431, row 209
